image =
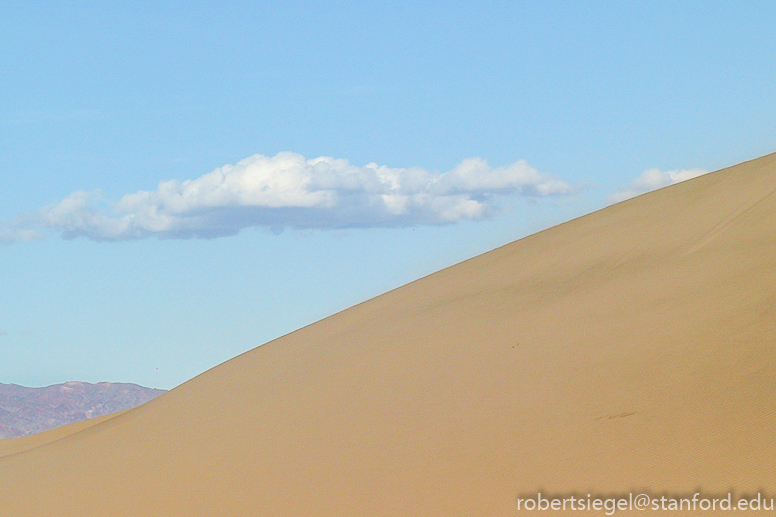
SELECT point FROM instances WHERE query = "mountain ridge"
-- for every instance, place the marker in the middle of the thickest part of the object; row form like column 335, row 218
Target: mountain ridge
column 25, row 411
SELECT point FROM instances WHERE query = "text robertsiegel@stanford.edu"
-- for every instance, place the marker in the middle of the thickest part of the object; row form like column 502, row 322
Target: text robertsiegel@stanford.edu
column 642, row 501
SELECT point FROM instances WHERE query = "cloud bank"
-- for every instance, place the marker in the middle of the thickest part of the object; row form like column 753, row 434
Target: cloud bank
column 653, row 179
column 290, row 191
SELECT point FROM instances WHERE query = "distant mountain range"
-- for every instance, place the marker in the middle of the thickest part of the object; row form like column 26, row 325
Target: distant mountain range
column 25, row 411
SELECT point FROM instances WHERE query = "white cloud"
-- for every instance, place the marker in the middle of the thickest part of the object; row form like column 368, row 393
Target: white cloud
column 288, row 190
column 11, row 234
column 654, row 179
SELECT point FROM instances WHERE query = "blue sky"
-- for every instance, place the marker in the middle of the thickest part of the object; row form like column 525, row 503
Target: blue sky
column 464, row 127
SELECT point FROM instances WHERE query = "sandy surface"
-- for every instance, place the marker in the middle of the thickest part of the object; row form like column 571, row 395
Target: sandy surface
column 633, row 348
column 16, row 445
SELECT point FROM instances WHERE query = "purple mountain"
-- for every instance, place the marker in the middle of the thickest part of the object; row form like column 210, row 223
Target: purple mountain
column 25, row 411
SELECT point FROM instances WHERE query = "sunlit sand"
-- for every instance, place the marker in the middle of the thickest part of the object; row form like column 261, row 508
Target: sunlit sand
column 633, row 348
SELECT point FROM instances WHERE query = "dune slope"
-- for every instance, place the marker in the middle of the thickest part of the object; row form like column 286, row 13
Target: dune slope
column 16, row 445
column 633, row 348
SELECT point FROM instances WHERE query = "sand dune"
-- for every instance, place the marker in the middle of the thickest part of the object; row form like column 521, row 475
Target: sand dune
column 25, row 443
column 633, row 348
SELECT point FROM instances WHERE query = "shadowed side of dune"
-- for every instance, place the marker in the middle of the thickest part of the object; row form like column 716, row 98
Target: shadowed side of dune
column 632, row 348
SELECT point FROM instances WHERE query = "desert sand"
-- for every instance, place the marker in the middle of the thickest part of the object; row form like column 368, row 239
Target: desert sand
column 632, row 348
column 17, row 445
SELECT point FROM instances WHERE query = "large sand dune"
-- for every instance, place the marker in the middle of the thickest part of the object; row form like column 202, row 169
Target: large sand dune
column 633, row 348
